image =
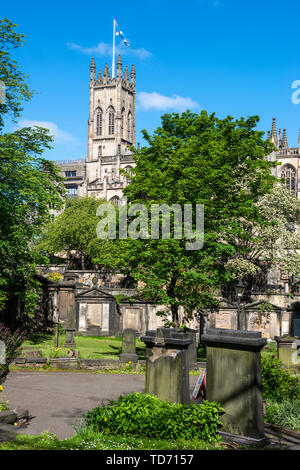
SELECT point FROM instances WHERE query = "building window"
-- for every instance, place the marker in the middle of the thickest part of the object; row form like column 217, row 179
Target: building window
column 129, row 127
column 111, row 121
column 99, row 122
column 69, row 174
column 128, row 170
column 115, row 200
column 289, row 175
column 71, row 190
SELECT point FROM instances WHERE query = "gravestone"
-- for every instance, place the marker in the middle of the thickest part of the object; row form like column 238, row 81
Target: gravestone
column 233, row 378
column 129, row 346
column 287, row 351
column 3, row 367
column 2, row 353
column 167, row 368
column 70, row 328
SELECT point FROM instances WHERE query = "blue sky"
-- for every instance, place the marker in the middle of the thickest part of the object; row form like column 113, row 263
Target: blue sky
column 225, row 56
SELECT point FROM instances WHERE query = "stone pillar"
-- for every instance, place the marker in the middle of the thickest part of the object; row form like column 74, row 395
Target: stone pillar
column 233, row 378
column 129, row 346
column 70, row 328
column 167, row 369
column 287, row 351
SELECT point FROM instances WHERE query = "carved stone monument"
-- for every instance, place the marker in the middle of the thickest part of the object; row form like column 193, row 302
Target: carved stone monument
column 233, row 378
column 167, row 368
column 129, row 346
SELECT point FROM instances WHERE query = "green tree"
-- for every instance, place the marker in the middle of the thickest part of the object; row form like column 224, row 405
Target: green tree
column 269, row 245
column 16, row 89
column 71, row 232
column 29, row 186
column 193, row 159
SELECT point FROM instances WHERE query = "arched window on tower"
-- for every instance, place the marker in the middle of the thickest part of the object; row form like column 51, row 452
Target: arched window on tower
column 288, row 173
column 129, row 127
column 128, row 170
column 111, row 120
column 99, row 122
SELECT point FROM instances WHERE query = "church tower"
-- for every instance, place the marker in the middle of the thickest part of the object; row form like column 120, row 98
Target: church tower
column 111, row 130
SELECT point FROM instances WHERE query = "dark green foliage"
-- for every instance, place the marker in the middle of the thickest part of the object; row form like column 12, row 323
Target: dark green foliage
column 145, row 415
column 277, row 383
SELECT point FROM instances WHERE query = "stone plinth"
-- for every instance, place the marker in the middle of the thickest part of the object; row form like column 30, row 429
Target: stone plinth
column 128, row 346
column 233, row 378
column 287, row 351
column 167, row 368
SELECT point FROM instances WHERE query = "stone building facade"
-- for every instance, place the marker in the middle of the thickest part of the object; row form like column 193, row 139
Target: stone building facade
column 111, row 134
column 288, row 158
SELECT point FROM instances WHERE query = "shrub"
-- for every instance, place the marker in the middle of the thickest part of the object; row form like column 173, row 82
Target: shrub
column 145, row 415
column 285, row 414
column 277, row 383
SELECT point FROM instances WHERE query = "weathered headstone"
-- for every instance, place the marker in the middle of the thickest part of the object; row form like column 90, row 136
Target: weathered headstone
column 2, row 353
column 167, row 369
column 129, row 346
column 70, row 328
column 233, row 378
column 287, row 351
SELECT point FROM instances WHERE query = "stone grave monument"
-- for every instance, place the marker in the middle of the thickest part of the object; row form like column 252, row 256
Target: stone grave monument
column 167, row 367
column 287, row 351
column 128, row 346
column 70, row 328
column 233, row 378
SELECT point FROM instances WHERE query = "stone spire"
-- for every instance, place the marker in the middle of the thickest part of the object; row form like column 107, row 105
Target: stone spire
column 284, row 140
column 106, row 75
column 274, row 132
column 93, row 69
column 126, row 75
column 119, row 67
column 279, row 140
column 99, row 78
column 132, row 75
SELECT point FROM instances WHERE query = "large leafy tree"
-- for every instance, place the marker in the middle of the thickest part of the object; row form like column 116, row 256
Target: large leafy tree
column 29, row 186
column 193, row 159
column 14, row 80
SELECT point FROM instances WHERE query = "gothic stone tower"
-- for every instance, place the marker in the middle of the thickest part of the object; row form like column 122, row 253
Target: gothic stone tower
column 288, row 158
column 111, row 130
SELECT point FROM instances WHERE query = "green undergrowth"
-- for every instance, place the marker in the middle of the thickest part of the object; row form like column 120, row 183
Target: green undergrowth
column 146, row 415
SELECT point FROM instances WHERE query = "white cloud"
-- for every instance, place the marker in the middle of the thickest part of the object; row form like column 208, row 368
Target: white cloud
column 104, row 49
column 156, row 101
column 60, row 137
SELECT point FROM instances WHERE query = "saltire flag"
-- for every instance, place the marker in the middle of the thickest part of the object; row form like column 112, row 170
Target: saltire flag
column 121, row 34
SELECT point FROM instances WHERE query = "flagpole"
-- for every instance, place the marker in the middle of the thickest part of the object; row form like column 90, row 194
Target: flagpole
column 113, row 58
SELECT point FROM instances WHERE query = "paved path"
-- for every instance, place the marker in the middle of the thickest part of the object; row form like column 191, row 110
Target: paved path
column 58, row 400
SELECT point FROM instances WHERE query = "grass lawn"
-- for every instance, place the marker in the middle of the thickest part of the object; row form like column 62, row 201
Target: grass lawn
column 89, row 440
column 90, row 347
